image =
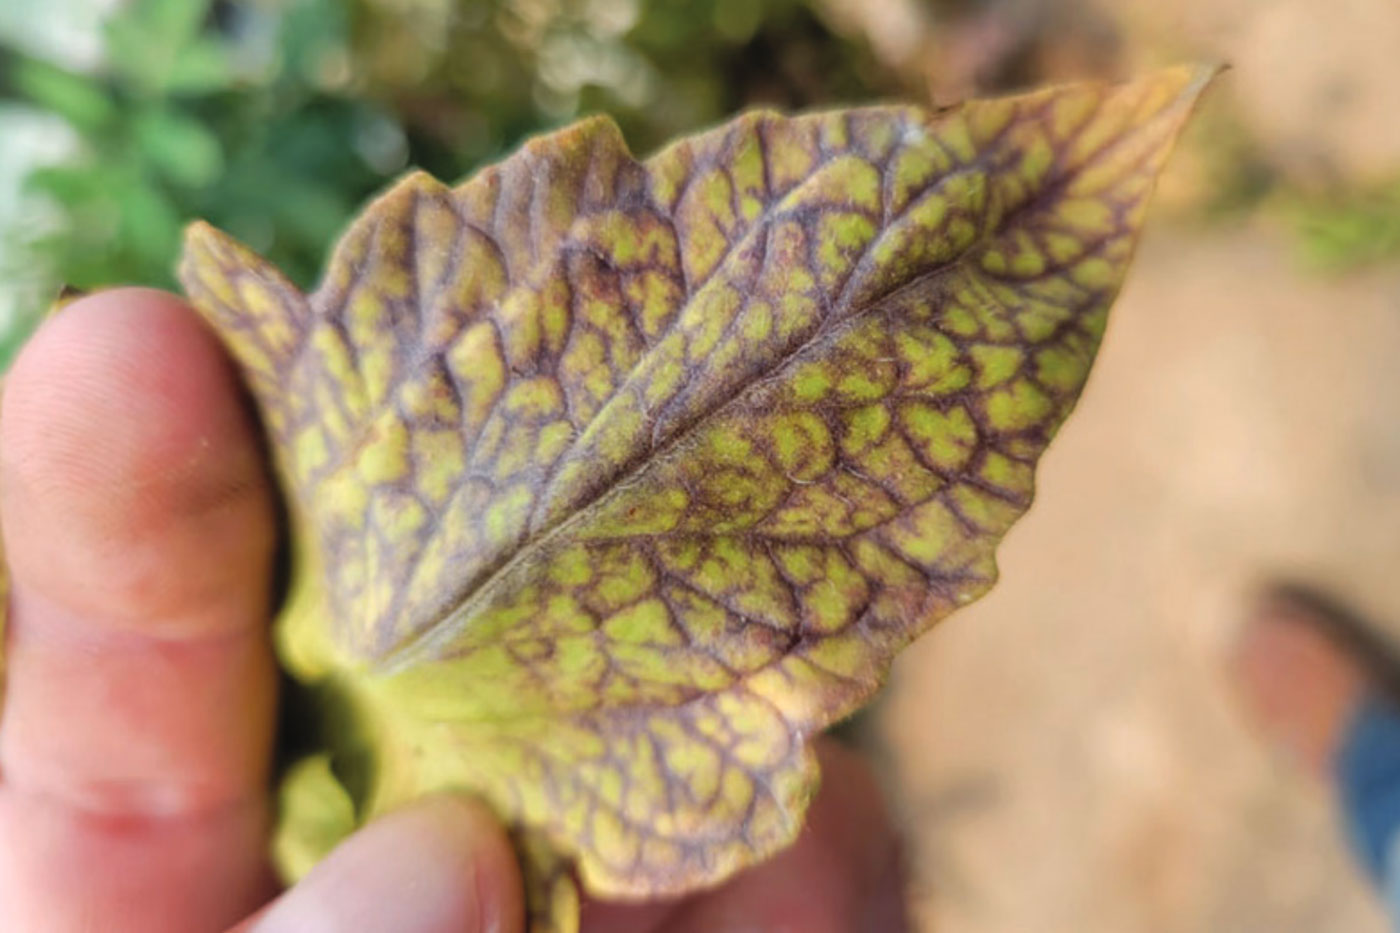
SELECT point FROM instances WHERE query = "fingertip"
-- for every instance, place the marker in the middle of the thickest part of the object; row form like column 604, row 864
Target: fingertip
column 443, row 865
column 127, row 338
column 475, row 846
column 125, row 442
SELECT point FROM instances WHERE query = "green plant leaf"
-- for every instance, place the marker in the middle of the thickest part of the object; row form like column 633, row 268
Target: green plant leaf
column 613, row 482
column 149, row 224
column 78, row 99
column 181, row 148
column 146, row 43
column 201, row 67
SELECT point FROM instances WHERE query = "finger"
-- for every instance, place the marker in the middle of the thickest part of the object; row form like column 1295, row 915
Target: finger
column 612, row 917
column 69, row 871
column 139, row 529
column 441, row 866
column 843, row 873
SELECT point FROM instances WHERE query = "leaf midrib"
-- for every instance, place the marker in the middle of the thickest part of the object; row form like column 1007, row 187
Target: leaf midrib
column 424, row 643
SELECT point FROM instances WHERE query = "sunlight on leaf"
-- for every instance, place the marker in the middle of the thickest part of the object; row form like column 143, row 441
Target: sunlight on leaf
column 613, row 482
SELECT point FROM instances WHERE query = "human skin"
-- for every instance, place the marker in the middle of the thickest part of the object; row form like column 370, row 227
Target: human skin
column 1301, row 690
column 139, row 525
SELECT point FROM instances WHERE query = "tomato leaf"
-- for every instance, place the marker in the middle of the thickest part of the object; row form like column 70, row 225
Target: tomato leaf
column 613, row 482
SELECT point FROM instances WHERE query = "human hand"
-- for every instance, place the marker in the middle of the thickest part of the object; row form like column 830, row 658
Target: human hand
column 136, row 734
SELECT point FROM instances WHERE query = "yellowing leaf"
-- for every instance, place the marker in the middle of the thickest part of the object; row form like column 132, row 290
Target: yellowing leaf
column 613, row 482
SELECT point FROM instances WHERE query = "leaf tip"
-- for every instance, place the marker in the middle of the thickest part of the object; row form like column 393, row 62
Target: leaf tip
column 1186, row 82
column 1202, row 75
column 247, row 301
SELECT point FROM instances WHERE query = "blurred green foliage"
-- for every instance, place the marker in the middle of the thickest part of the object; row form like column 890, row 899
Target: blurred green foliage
column 186, row 119
column 1343, row 229
column 276, row 119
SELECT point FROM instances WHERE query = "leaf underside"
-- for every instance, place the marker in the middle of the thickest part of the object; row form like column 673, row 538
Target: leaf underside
column 614, row 481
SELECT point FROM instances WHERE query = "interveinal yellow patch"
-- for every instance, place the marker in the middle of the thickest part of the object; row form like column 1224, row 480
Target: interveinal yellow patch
column 601, row 516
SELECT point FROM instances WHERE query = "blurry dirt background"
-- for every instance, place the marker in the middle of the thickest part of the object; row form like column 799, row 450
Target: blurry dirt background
column 1067, row 755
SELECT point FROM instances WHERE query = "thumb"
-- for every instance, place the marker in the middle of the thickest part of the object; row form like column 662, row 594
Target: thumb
column 439, row 866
